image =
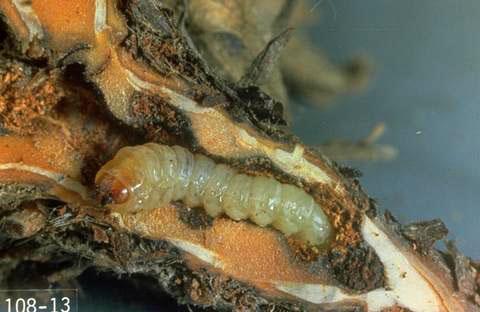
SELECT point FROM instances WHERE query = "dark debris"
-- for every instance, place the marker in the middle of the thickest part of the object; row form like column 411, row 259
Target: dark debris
column 424, row 234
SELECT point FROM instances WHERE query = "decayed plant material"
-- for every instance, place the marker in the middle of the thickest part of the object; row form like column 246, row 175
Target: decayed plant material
column 81, row 79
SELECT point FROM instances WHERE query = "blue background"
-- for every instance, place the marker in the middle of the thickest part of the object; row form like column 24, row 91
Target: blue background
column 427, row 56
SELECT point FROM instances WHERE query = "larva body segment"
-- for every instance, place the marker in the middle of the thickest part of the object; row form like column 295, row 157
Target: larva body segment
column 152, row 175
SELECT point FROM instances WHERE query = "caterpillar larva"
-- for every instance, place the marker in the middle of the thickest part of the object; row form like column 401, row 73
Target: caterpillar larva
column 152, row 175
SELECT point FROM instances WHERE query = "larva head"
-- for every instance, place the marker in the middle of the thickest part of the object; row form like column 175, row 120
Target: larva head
column 119, row 184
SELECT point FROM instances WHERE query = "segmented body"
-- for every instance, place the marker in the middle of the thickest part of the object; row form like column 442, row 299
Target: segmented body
column 152, row 175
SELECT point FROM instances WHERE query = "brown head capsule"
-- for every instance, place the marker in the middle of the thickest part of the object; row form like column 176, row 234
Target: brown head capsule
column 112, row 191
column 152, row 175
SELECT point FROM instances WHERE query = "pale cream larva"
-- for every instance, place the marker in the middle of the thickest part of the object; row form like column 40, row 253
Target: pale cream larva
column 150, row 176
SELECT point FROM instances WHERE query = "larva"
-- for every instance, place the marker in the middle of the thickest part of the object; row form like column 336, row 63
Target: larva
column 152, row 175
